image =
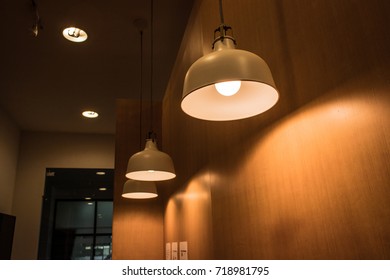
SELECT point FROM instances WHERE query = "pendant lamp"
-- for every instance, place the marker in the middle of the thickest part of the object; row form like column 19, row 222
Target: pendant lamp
column 150, row 164
column 228, row 83
column 139, row 190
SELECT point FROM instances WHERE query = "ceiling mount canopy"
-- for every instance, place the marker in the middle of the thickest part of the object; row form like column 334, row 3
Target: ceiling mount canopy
column 228, row 83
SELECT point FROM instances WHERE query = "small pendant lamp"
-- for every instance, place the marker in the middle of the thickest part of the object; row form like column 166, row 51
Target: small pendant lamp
column 139, row 190
column 228, row 83
column 150, row 164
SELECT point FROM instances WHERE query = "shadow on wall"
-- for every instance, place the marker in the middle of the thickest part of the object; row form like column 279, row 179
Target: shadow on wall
column 313, row 186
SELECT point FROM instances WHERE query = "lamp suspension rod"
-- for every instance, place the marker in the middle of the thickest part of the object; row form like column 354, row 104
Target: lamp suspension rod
column 37, row 23
column 221, row 13
column 151, row 69
column 140, row 92
column 221, row 32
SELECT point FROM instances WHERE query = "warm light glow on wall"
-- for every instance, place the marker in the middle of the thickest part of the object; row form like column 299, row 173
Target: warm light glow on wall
column 313, row 185
column 312, row 181
column 191, row 208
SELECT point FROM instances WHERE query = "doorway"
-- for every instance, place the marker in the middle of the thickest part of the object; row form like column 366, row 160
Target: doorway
column 76, row 220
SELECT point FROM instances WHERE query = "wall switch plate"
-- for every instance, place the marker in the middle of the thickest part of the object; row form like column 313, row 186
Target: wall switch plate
column 174, row 250
column 168, row 255
column 183, row 250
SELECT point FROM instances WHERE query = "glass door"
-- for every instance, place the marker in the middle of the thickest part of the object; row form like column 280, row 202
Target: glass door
column 82, row 230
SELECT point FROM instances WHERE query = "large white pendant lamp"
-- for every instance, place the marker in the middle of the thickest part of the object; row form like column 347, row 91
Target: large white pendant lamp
column 150, row 164
column 139, row 190
column 228, row 83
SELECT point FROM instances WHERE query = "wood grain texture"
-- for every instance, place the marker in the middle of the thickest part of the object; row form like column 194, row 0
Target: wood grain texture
column 308, row 179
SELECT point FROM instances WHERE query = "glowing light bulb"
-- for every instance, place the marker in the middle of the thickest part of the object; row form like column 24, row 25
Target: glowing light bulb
column 75, row 34
column 91, row 115
column 228, row 88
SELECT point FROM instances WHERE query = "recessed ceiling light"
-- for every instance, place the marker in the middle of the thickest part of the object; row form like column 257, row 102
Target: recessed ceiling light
column 100, row 173
column 87, row 198
column 90, row 114
column 102, row 189
column 75, row 34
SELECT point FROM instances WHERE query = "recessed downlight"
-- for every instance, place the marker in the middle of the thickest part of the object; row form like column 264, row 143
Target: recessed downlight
column 75, row 34
column 102, row 189
column 100, row 173
column 90, row 114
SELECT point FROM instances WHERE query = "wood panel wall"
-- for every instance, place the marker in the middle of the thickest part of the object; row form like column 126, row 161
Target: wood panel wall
column 309, row 179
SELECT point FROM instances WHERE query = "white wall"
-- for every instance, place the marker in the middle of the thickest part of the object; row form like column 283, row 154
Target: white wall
column 38, row 151
column 9, row 148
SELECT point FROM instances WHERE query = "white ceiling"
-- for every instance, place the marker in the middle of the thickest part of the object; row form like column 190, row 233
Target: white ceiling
column 46, row 81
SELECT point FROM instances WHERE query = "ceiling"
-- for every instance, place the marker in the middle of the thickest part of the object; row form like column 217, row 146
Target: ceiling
column 46, row 81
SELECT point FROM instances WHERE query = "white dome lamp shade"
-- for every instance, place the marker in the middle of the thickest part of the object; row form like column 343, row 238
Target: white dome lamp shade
column 139, row 190
column 150, row 164
column 228, row 83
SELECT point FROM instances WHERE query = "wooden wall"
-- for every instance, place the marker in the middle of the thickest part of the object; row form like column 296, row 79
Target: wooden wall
column 309, row 179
